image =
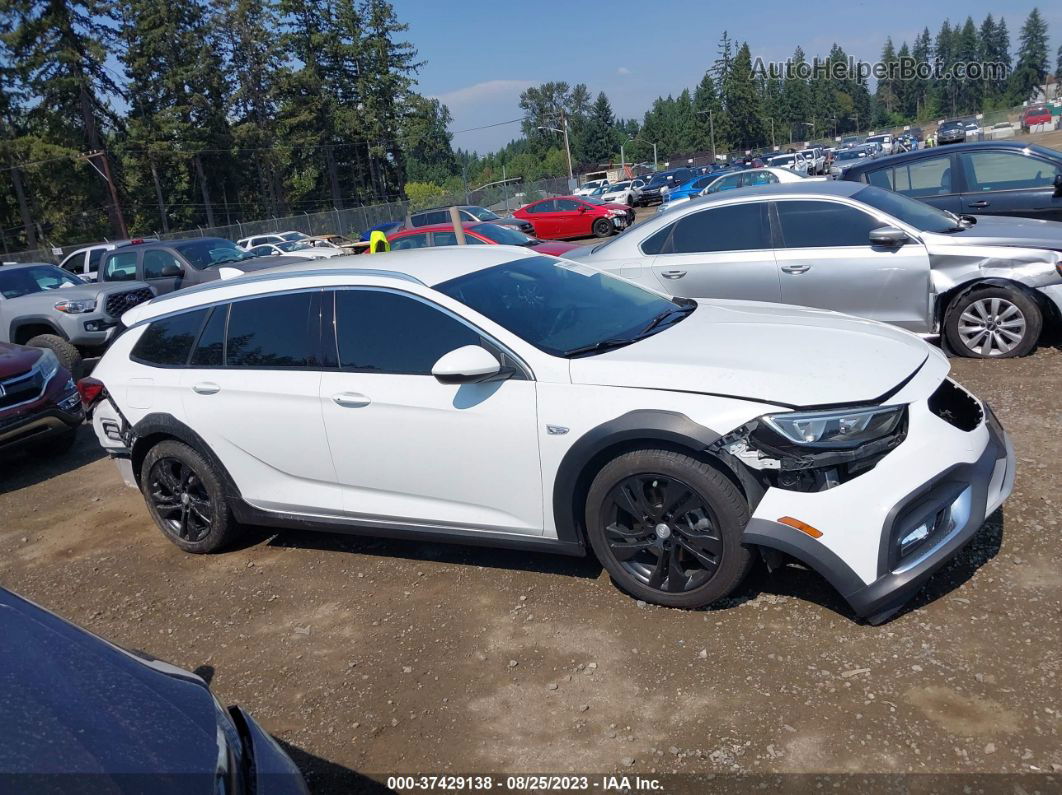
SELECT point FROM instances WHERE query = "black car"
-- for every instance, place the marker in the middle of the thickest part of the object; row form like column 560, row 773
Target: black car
column 952, row 131
column 80, row 714
column 468, row 212
column 987, row 178
column 652, row 192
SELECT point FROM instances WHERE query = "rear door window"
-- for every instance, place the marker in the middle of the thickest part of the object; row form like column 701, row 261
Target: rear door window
column 817, row 224
column 75, row 263
column 929, row 177
column 410, row 241
column 271, row 331
column 988, row 171
column 161, row 264
column 738, row 227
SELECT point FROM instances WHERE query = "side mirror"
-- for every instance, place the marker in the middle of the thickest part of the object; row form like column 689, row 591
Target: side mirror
column 470, row 364
column 1058, row 184
column 172, row 269
column 887, row 236
column 582, row 208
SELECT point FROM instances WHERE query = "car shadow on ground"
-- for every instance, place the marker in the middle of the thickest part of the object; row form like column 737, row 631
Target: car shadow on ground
column 457, row 554
column 324, row 776
column 29, row 466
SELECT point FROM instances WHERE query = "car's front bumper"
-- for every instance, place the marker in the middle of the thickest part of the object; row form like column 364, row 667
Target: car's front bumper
column 939, row 472
column 37, row 425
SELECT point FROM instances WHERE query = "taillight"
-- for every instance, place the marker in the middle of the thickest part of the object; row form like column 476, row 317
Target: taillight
column 90, row 390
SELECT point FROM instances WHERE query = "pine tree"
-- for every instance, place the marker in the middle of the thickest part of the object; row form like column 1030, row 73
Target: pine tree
column 944, row 88
column 969, row 91
column 1030, row 72
column 706, row 112
column 921, row 54
column 599, row 141
column 1001, row 54
column 796, row 97
column 59, row 50
column 743, row 103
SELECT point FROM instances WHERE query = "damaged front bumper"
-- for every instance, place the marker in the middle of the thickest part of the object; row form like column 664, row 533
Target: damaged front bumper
column 877, row 550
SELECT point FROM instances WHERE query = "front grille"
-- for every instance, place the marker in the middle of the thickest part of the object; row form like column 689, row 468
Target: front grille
column 21, row 388
column 119, row 303
column 956, row 406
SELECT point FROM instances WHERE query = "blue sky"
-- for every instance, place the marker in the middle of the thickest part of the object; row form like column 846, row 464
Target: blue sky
column 480, row 55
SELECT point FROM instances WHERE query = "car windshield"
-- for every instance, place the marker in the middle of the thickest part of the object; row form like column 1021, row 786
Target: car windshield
column 503, row 235
column 16, row 282
column 657, row 180
column 851, row 154
column 293, row 236
column 564, row 308
column 914, row 213
column 293, row 245
column 592, row 200
column 951, row 125
column 204, row 253
column 784, row 160
column 483, row 214
column 619, row 186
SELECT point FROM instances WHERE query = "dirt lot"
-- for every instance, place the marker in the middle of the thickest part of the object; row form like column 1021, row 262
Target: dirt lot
column 371, row 657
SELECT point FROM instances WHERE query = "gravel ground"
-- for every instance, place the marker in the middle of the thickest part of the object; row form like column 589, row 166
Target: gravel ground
column 368, row 657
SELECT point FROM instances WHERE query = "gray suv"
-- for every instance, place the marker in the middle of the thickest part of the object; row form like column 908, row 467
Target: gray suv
column 46, row 307
column 169, row 265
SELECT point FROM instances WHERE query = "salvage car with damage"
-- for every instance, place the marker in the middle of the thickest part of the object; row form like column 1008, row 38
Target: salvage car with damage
column 492, row 395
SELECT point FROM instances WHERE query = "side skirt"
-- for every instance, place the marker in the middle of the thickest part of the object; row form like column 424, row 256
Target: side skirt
column 249, row 514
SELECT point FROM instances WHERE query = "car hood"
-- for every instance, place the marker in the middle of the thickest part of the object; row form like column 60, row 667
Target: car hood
column 994, row 230
column 771, row 353
column 85, row 291
column 16, row 359
column 73, row 703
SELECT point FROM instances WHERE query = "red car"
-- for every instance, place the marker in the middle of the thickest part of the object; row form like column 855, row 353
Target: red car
column 1037, row 114
column 476, row 233
column 39, row 403
column 575, row 216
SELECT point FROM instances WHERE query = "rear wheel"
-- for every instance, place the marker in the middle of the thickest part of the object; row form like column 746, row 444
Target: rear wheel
column 68, row 356
column 668, row 528
column 185, row 497
column 993, row 323
column 602, row 227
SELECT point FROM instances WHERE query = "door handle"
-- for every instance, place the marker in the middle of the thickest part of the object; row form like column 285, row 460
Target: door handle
column 350, row 400
column 980, row 203
column 673, row 274
column 206, row 388
column 796, row 268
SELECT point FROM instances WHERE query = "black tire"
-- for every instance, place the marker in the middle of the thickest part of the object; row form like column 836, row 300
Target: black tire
column 199, row 522
column 703, row 543
column 982, row 323
column 602, row 227
column 58, row 444
column 68, row 356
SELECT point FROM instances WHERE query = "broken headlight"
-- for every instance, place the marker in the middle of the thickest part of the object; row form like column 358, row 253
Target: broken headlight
column 836, row 429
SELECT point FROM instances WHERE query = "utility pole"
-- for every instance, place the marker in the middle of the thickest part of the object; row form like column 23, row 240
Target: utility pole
column 106, row 174
column 567, row 148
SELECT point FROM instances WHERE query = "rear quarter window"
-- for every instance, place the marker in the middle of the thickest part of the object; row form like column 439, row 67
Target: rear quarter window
column 168, row 342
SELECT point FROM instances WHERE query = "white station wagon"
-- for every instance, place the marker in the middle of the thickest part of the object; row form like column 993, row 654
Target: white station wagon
column 492, row 395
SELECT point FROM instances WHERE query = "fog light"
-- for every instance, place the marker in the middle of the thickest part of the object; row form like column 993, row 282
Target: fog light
column 920, row 533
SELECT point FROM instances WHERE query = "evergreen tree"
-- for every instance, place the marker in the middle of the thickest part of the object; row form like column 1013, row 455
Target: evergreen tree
column 944, row 58
column 426, row 142
column 796, row 97
column 969, row 92
column 1001, row 55
column 707, row 116
column 885, row 96
column 599, row 140
column 1031, row 70
column 743, row 103
column 921, row 54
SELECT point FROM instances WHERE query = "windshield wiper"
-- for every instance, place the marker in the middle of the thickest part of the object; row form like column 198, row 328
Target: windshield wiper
column 600, row 345
column 667, row 313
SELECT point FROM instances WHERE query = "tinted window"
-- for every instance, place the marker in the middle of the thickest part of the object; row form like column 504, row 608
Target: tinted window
column 168, row 342
column 1006, row 171
column 735, row 228
column 929, row 177
column 210, row 350
column 567, row 205
column 382, row 332
column 450, row 239
column 504, row 235
column 726, row 183
column 94, row 258
column 15, row 282
column 272, row 331
column 261, row 251
column 655, row 241
column 206, row 252
column 410, row 241
column 120, row 267
column 74, row 263
column 157, row 261
column 542, row 207
column 808, row 224
column 759, row 178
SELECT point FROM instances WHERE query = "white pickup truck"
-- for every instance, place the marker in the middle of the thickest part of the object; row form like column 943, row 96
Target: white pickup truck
column 816, row 160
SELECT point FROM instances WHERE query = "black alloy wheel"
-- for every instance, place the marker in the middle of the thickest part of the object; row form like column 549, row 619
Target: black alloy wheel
column 662, row 532
column 181, row 500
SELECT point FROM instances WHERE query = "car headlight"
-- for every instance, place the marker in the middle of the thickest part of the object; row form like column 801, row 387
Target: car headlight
column 77, row 307
column 48, row 364
column 840, row 428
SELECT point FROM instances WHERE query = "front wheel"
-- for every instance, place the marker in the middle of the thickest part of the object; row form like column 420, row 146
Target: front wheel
column 602, row 227
column 668, row 528
column 993, row 323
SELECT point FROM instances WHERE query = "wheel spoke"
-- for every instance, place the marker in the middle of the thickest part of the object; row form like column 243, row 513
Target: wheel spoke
column 656, row 579
column 980, row 309
column 676, row 577
column 678, row 507
column 182, row 523
column 625, row 533
column 624, row 552
column 707, row 554
column 629, row 497
column 1010, row 311
column 970, row 317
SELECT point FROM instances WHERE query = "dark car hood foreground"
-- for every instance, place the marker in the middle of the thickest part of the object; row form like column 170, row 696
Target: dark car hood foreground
column 16, row 359
column 73, row 703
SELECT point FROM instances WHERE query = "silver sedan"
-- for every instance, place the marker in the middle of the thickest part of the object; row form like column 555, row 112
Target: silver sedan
column 986, row 283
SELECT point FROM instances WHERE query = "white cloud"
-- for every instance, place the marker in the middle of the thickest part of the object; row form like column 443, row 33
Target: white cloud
column 489, row 91
column 623, row 70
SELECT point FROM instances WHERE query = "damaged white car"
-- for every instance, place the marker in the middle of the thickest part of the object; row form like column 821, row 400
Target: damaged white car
column 988, row 284
column 492, row 395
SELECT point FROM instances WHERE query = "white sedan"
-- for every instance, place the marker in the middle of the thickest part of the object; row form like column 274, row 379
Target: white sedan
column 495, row 396
column 621, row 193
column 298, row 248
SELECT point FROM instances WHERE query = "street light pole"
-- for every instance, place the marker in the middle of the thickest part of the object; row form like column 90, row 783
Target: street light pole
column 567, row 147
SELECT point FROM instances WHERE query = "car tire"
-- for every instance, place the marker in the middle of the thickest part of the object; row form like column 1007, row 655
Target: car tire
column 689, row 559
column 200, row 522
column 602, row 227
column 993, row 323
column 68, row 356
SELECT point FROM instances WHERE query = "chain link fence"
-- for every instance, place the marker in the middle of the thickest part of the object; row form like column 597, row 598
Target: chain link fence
column 502, row 197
